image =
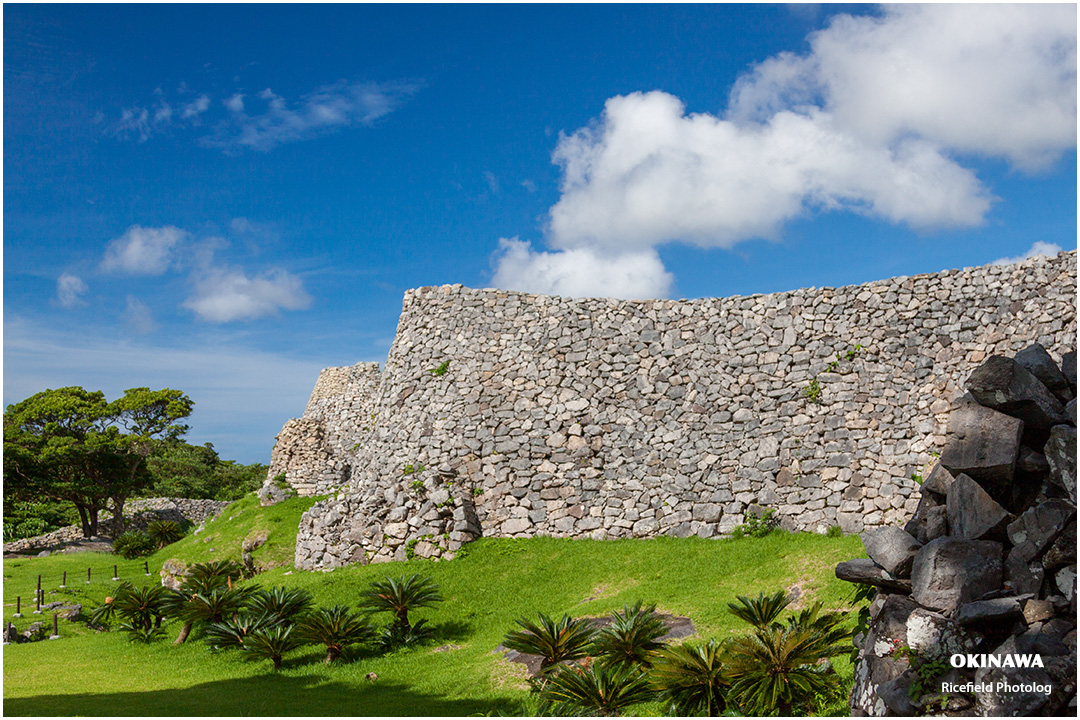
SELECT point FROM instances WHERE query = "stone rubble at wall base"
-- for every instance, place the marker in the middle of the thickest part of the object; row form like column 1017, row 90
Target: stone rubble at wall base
column 602, row 418
column 987, row 565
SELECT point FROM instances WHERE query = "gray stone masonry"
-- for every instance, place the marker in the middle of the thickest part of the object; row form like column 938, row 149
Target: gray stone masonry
column 603, row 418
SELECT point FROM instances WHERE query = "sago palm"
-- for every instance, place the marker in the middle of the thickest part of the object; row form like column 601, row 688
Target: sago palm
column 177, row 602
column 554, row 641
column 399, row 596
column 271, row 644
column 596, row 690
column 776, row 669
column 233, row 632
column 762, row 610
column 104, row 613
column 692, row 679
column 164, row 532
column 632, row 638
column 143, row 607
column 229, row 569
column 336, row 628
column 283, row 603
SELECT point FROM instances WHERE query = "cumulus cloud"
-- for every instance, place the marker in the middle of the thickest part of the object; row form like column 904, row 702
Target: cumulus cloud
column 276, row 121
column 997, row 80
column 580, row 272
column 874, row 119
column 138, row 317
column 224, row 295
column 143, row 251
column 1038, row 248
column 69, row 290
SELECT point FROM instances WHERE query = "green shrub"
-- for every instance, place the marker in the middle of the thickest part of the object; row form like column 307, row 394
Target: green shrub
column 133, row 544
column 553, row 640
column 834, row 532
column 338, row 627
column 757, row 526
column 596, row 690
column 691, row 679
column 632, row 638
column 813, row 391
column 164, row 532
column 400, row 595
column 441, row 370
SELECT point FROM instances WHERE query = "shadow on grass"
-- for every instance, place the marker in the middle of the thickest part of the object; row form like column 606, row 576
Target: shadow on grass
column 268, row 694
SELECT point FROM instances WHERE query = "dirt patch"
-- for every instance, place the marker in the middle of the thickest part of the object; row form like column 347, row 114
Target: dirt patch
column 604, row 590
column 507, row 674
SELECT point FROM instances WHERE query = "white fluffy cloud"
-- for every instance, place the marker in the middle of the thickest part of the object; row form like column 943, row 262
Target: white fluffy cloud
column 580, row 272
column 69, row 290
column 143, row 251
column 997, row 80
column 871, row 120
column 226, row 295
column 1037, row 248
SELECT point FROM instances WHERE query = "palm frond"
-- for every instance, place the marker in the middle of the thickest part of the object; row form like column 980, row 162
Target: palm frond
column 554, row 641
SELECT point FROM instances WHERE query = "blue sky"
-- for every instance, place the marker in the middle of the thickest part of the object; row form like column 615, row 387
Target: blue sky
column 225, row 199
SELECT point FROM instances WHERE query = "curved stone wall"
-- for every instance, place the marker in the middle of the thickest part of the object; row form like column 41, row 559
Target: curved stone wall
column 503, row 413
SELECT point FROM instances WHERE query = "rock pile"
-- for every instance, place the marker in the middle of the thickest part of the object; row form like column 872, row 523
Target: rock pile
column 982, row 578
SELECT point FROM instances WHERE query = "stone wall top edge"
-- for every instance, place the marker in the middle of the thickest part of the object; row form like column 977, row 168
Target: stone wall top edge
column 1063, row 257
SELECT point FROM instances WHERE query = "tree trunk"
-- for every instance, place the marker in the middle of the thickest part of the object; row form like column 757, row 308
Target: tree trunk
column 277, row 662
column 84, row 518
column 118, row 515
column 184, row 632
column 332, row 654
column 403, row 619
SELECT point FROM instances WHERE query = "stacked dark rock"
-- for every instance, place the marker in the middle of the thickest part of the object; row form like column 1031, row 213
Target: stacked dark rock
column 984, row 574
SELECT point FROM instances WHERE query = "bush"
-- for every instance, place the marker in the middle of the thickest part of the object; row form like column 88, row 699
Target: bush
column 133, row 544
column 164, row 532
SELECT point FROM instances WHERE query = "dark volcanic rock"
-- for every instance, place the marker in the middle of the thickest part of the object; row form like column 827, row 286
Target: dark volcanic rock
column 937, row 480
column 1021, row 575
column 949, row 572
column 996, row 610
column 1068, row 368
column 1002, row 384
column 1060, row 453
column 891, row 548
column 1063, row 550
column 973, row 514
column 1038, row 362
column 983, row 444
column 929, row 521
column 1033, row 531
column 867, row 572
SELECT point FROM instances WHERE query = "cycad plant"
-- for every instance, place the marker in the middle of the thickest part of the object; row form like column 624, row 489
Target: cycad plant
column 141, row 608
column 104, row 613
column 336, row 628
column 399, row 596
column 554, row 641
column 596, row 689
column 233, row 632
column 286, row 604
column 776, row 668
column 691, row 679
column 632, row 638
column 219, row 604
column 762, row 610
column 225, row 569
column 271, row 644
column 164, row 532
column 176, row 603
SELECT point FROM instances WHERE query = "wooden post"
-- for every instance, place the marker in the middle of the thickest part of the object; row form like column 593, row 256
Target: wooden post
column 55, row 629
column 87, row 576
column 146, row 567
column 37, row 603
column 63, row 583
column 114, row 575
column 18, row 606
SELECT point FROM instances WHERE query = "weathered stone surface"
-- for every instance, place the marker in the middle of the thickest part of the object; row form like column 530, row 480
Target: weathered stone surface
column 1036, row 360
column 948, row 572
column 983, row 444
column 1021, row 575
column 937, row 479
column 973, row 514
column 636, row 412
column 988, row 611
column 891, row 548
column 917, row 526
column 1003, row 700
column 1068, row 368
column 896, row 694
column 1060, row 452
column 1032, row 531
column 1004, row 385
column 867, row 572
column 1062, row 551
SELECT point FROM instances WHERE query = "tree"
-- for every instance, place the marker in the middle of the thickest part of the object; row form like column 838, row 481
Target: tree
column 72, row 445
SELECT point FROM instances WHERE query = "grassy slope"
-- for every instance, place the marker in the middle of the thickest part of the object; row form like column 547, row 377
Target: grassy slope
column 497, row 581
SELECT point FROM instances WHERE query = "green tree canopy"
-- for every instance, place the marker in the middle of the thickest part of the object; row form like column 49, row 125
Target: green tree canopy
column 72, row 445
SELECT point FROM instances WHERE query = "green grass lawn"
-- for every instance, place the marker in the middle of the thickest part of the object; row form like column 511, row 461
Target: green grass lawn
column 496, row 581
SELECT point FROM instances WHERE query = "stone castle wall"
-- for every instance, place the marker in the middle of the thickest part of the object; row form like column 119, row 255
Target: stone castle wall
column 508, row 414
